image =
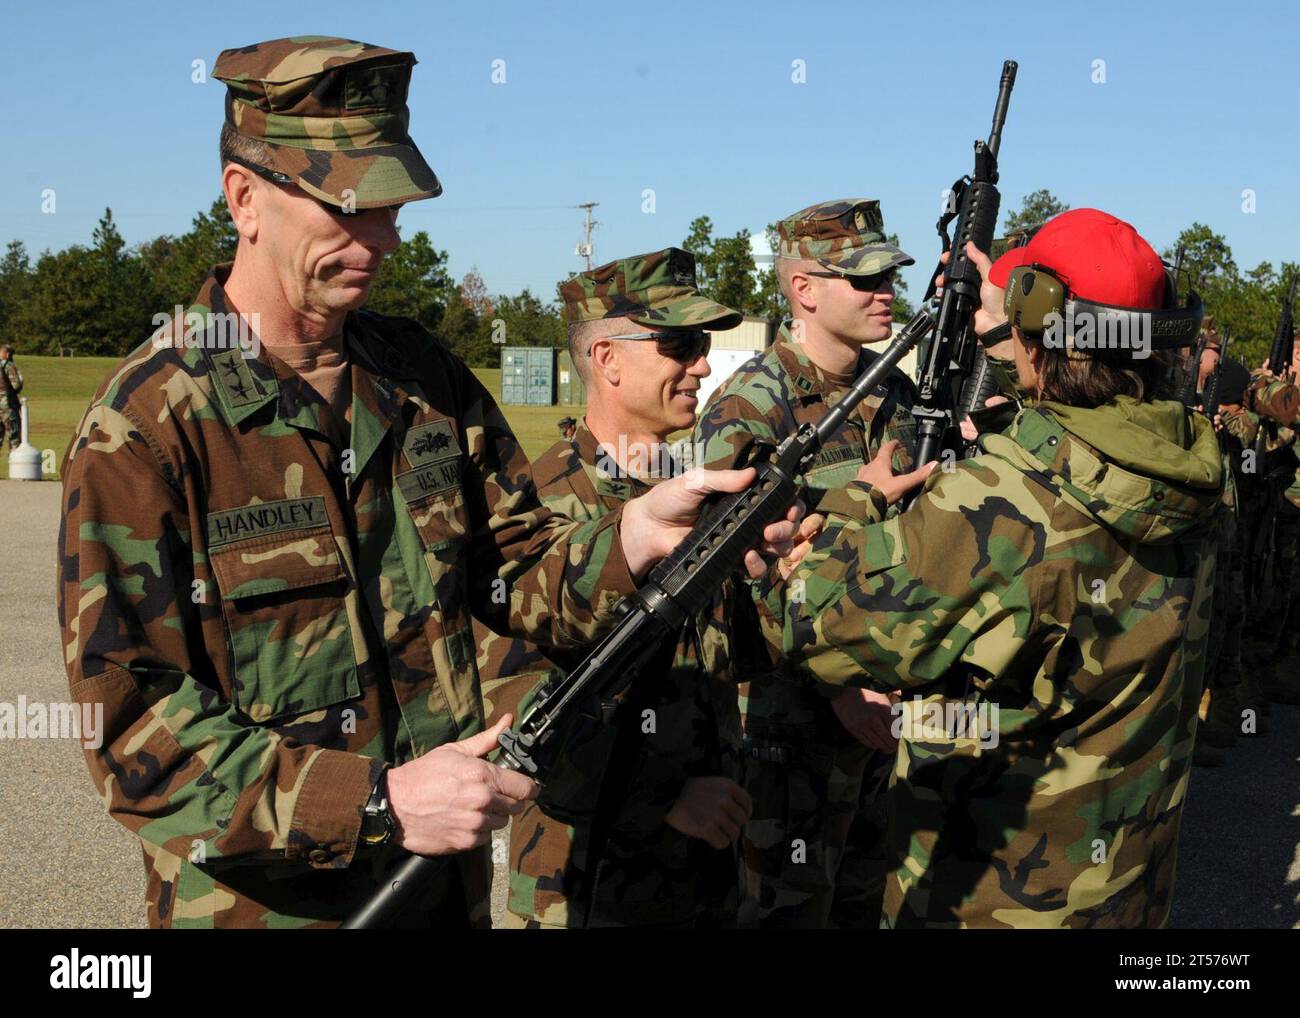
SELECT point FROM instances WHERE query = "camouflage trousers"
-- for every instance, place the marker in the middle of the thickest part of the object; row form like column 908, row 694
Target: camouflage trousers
column 1223, row 653
column 814, row 849
column 1284, row 602
column 11, row 425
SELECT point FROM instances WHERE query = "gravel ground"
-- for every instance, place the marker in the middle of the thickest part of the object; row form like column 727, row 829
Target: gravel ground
column 64, row 863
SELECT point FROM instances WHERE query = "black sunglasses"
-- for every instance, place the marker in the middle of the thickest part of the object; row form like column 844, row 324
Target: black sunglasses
column 685, row 345
column 864, row 284
column 276, row 177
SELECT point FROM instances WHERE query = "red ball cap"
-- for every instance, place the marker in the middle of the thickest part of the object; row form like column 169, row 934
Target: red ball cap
column 1099, row 258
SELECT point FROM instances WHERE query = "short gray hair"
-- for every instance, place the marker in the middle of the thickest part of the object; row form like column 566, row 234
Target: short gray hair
column 581, row 336
column 236, row 148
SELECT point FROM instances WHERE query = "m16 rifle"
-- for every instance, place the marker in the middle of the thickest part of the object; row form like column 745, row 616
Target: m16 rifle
column 950, row 356
column 982, row 382
column 677, row 590
column 1283, row 349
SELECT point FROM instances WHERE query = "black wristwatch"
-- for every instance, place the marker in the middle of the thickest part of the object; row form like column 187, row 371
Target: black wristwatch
column 995, row 335
column 377, row 824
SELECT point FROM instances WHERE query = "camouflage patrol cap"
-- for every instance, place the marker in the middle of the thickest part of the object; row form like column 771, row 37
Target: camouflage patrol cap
column 333, row 112
column 655, row 289
column 845, row 236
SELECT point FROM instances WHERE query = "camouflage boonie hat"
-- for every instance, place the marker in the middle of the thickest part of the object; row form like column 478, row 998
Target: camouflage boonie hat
column 334, row 113
column 846, row 236
column 651, row 289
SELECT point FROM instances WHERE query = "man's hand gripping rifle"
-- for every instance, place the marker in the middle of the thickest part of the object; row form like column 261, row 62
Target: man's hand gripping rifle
column 678, row 589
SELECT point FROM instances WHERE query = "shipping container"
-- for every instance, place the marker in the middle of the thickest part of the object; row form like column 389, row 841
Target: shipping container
column 528, row 376
column 570, row 390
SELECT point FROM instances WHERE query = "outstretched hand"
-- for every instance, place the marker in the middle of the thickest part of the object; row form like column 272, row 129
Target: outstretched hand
column 656, row 522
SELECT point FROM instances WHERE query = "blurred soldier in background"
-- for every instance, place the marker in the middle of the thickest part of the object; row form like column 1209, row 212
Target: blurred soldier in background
column 11, row 385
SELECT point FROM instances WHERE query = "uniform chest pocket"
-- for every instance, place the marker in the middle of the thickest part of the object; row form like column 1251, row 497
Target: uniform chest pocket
column 835, row 466
column 437, row 566
column 283, row 597
column 442, row 523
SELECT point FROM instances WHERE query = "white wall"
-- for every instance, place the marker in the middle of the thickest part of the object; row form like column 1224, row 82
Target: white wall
column 723, row 363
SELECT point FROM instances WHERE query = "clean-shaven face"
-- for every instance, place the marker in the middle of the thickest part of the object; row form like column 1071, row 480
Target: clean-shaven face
column 851, row 311
column 326, row 259
column 656, row 393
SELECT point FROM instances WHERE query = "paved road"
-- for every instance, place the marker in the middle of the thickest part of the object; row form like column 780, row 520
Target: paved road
column 64, row 863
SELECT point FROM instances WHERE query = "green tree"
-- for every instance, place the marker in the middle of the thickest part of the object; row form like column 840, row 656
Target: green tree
column 413, row 282
column 1248, row 304
column 121, row 289
column 734, row 284
column 15, row 283
column 465, row 334
column 62, row 307
column 1207, row 259
column 901, row 309
column 725, row 270
column 699, row 241
column 1038, row 207
column 177, row 266
column 768, row 300
column 527, row 321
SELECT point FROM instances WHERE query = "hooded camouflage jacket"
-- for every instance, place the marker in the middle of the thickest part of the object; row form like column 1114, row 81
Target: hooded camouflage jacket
column 266, row 615
column 1044, row 607
column 607, row 857
column 766, row 400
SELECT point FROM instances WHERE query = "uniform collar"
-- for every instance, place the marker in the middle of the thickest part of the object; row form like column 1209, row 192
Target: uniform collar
column 808, row 379
column 585, row 445
column 245, row 384
column 608, row 478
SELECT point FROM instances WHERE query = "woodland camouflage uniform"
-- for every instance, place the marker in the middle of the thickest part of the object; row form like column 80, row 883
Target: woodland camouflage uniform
column 1063, row 577
column 272, row 602
column 594, row 850
column 1224, row 695
column 615, row 862
column 813, row 848
column 1277, row 401
column 11, row 384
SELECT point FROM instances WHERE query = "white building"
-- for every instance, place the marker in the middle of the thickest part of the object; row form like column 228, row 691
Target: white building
column 730, row 349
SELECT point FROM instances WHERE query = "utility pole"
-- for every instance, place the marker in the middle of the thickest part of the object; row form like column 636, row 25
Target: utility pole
column 584, row 246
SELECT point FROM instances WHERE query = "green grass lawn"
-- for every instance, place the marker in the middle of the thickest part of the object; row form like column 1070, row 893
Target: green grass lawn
column 59, row 390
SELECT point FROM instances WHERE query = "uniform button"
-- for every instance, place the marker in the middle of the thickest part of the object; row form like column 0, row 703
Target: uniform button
column 320, row 855
column 1052, row 440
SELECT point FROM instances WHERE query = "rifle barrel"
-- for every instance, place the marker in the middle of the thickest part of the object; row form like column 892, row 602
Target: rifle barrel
column 1000, row 108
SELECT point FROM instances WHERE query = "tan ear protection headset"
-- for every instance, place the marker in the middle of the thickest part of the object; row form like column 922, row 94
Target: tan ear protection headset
column 1035, row 291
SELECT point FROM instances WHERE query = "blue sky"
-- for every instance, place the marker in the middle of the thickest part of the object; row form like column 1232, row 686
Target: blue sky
column 694, row 101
